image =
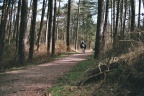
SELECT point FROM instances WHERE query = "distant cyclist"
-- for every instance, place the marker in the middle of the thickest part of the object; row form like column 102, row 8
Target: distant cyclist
column 83, row 46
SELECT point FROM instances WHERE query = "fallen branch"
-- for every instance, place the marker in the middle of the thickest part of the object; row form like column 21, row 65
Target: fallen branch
column 96, row 76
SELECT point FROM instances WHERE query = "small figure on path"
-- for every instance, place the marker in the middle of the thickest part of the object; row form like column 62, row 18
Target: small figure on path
column 83, row 46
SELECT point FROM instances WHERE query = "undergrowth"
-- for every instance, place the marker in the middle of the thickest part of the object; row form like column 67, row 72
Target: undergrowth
column 125, row 80
column 9, row 59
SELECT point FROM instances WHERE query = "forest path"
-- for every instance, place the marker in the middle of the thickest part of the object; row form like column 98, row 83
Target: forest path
column 33, row 81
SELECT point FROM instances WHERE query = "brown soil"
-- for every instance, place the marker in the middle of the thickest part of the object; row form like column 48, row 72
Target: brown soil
column 35, row 80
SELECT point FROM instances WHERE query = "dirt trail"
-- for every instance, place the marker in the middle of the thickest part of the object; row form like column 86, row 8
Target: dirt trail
column 33, row 81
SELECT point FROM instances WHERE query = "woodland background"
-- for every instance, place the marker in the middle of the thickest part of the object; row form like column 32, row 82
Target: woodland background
column 109, row 27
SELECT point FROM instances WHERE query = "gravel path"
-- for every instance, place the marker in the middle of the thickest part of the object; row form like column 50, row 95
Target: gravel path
column 33, row 81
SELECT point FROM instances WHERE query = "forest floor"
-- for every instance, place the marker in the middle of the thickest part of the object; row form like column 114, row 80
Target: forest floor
column 35, row 80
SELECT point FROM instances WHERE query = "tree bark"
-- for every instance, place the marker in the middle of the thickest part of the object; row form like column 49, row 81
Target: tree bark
column 68, row 26
column 105, row 23
column 116, row 27
column 99, row 29
column 124, row 20
column 3, row 27
column 17, row 25
column 23, row 29
column 32, row 30
column 49, row 25
column 139, row 13
column 54, row 27
column 77, row 27
column 133, row 15
column 41, row 24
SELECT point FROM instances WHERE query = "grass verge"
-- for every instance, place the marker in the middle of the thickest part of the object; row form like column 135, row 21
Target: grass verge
column 126, row 80
column 67, row 84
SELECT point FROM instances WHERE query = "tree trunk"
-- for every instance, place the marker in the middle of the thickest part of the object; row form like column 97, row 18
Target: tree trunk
column 47, row 24
column 10, row 22
column 105, row 23
column 68, row 26
column 17, row 25
column 53, row 35
column 111, row 17
column 124, row 20
column 99, row 28
column 32, row 30
column 57, row 32
column 3, row 26
column 23, row 29
column 121, row 14
column 114, row 5
column 50, row 25
column 139, row 13
column 133, row 15
column 77, row 27
column 116, row 27
column 133, row 36
column 41, row 24
column 106, row 17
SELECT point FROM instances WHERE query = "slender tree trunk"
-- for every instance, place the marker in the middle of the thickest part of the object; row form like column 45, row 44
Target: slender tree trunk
column 114, row 5
column 68, row 26
column 10, row 22
column 106, row 17
column 53, row 35
column 50, row 25
column 32, row 30
column 57, row 34
column 129, row 19
column 2, row 27
column 47, row 22
column 8, row 19
column 133, row 36
column 14, row 22
column 121, row 14
column 139, row 13
column 77, row 27
column 41, row 24
column 116, row 27
column 105, row 24
column 133, row 15
column 111, row 18
column 125, row 14
column 23, row 29
column 17, row 25
column 99, row 28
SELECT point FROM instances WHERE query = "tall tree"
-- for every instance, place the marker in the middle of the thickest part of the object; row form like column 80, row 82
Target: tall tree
column 32, row 30
column 124, row 20
column 68, row 25
column 58, row 19
column 114, row 17
column 99, row 28
column 54, row 25
column 106, row 17
column 47, row 22
column 116, row 27
column 9, row 29
column 77, row 27
column 139, row 12
column 3, row 26
column 41, row 23
column 23, row 29
column 133, row 15
column 50, row 24
column 17, row 24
